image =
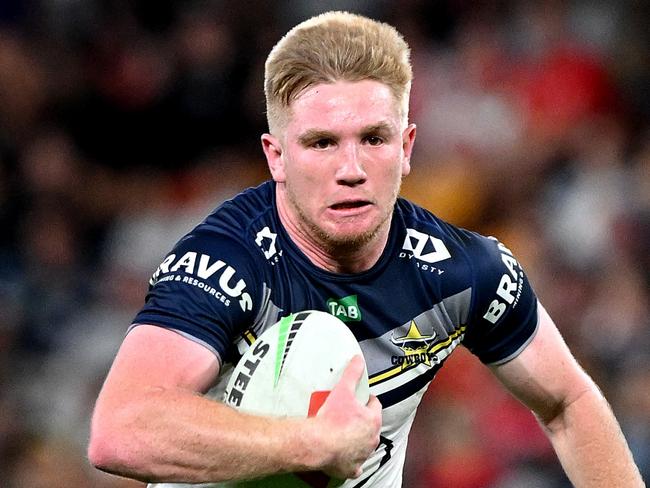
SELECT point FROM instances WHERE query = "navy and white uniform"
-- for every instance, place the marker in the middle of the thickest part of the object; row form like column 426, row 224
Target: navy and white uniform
column 434, row 287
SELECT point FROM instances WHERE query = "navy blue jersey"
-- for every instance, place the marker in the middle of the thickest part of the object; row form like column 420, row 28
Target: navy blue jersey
column 434, row 287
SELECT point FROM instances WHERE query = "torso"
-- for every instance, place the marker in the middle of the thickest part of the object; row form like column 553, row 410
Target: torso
column 433, row 288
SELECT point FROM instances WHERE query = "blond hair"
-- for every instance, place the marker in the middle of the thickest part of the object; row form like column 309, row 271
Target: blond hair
column 330, row 47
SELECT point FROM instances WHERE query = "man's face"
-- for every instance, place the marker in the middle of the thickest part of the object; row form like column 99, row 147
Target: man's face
column 340, row 160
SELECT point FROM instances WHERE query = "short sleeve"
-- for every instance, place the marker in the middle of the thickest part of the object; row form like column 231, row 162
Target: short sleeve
column 205, row 289
column 503, row 315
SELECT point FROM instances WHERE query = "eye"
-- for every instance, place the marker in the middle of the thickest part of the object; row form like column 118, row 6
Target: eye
column 322, row 143
column 374, row 140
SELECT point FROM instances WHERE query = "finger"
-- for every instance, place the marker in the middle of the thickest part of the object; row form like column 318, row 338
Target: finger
column 374, row 403
column 352, row 373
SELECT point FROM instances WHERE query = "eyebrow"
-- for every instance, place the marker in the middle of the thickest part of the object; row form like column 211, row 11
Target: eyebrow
column 311, row 135
column 381, row 127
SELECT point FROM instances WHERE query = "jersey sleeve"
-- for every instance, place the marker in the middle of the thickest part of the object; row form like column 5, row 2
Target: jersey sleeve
column 205, row 289
column 503, row 317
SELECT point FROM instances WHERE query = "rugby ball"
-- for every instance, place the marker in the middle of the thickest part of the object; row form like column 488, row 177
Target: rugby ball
column 289, row 371
column 291, row 367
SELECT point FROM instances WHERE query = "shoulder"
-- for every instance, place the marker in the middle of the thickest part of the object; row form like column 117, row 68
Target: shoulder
column 234, row 227
column 501, row 313
column 477, row 249
column 415, row 216
column 426, row 232
column 222, row 251
column 235, row 217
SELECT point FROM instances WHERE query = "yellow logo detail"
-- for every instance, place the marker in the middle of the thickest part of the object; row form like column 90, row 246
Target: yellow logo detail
column 415, row 346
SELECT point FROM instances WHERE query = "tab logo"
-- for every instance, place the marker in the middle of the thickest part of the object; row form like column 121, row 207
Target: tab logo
column 424, row 247
column 345, row 309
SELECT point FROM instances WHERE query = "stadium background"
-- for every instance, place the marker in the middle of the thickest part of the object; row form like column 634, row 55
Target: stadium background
column 123, row 122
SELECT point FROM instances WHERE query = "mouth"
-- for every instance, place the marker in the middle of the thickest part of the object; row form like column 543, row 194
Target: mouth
column 350, row 205
column 350, row 209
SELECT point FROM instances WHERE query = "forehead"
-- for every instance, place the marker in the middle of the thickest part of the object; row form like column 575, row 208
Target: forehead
column 342, row 105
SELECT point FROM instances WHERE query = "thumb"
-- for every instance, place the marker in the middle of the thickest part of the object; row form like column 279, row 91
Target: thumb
column 352, row 373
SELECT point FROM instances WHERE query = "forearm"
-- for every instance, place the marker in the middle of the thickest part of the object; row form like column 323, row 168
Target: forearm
column 174, row 435
column 590, row 444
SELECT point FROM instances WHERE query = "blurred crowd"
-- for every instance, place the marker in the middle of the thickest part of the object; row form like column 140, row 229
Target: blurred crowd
column 123, row 122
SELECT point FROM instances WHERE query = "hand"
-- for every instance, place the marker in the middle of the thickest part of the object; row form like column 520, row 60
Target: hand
column 349, row 430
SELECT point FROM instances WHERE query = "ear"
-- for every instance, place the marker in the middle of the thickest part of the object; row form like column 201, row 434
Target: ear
column 273, row 152
column 408, row 140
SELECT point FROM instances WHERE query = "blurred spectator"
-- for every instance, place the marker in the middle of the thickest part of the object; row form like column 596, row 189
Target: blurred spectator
column 589, row 194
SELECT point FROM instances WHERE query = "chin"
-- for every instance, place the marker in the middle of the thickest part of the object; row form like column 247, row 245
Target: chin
column 347, row 239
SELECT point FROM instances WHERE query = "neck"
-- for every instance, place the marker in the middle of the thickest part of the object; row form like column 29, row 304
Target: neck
column 343, row 258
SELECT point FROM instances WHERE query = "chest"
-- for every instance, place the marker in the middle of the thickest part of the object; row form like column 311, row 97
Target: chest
column 404, row 318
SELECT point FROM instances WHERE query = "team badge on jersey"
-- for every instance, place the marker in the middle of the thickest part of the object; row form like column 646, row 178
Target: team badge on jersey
column 415, row 346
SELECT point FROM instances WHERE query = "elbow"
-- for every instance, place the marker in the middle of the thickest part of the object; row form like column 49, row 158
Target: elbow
column 556, row 417
column 551, row 419
column 114, row 445
column 108, row 448
column 104, row 448
column 98, row 453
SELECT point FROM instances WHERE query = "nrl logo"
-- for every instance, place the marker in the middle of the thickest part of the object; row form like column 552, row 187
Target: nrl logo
column 415, row 346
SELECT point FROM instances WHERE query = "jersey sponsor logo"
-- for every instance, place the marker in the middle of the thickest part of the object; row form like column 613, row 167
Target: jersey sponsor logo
column 346, row 308
column 509, row 288
column 426, row 248
column 265, row 240
column 202, row 267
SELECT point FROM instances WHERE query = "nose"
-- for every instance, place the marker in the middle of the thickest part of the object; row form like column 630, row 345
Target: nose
column 350, row 170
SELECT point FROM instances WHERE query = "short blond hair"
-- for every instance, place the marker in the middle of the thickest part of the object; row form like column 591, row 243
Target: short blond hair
column 330, row 47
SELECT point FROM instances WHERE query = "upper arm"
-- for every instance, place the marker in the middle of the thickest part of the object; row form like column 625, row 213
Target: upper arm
column 154, row 369
column 503, row 313
column 155, row 357
column 545, row 376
